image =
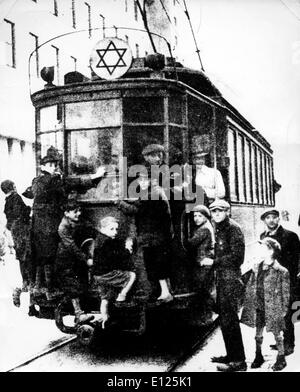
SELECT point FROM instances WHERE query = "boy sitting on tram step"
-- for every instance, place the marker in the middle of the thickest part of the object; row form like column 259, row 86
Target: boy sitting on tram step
column 201, row 247
column 267, row 300
column 72, row 263
column 113, row 268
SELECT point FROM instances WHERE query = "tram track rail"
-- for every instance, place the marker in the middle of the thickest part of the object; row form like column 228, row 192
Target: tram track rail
column 171, row 365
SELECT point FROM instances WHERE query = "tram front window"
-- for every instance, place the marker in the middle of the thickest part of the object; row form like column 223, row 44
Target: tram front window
column 93, row 148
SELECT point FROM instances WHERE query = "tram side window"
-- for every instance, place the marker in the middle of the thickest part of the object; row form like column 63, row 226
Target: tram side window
column 232, row 165
column 137, row 138
column 175, row 110
column 240, row 166
column 248, row 172
column 254, row 173
column 90, row 149
column 143, row 110
column 260, row 184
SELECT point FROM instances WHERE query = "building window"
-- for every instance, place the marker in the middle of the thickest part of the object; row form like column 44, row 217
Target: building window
column 137, row 50
column 10, row 41
column 22, row 146
column 55, row 9
column 135, row 10
column 10, row 143
column 88, row 10
column 126, row 5
column 56, row 61
column 73, row 14
column 35, row 57
column 74, row 62
column 126, row 38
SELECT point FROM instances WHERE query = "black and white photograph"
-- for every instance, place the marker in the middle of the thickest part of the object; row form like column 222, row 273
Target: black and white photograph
column 149, row 201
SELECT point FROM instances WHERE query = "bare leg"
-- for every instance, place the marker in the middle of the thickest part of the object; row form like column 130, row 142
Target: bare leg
column 165, row 295
column 259, row 359
column 104, row 311
column 122, row 296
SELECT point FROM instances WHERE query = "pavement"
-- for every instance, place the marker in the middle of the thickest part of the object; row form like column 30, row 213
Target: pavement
column 214, row 346
column 21, row 337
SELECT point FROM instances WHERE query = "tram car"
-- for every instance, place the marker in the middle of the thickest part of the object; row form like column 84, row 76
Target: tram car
column 157, row 101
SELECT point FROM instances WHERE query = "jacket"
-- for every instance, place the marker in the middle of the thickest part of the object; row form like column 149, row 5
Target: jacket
column 276, row 297
column 202, row 243
column 229, row 247
column 290, row 251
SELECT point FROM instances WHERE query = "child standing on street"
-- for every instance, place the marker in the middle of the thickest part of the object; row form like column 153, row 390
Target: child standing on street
column 266, row 301
column 113, row 270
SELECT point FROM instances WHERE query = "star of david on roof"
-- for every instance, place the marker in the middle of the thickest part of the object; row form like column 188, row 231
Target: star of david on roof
column 112, row 53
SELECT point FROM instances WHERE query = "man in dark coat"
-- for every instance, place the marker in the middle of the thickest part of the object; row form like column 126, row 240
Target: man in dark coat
column 229, row 256
column 290, row 252
column 18, row 223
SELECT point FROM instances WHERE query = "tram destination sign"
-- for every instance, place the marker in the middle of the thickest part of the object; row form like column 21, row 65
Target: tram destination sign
column 111, row 58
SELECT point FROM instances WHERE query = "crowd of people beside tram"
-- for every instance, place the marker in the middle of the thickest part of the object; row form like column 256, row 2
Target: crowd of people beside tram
column 47, row 235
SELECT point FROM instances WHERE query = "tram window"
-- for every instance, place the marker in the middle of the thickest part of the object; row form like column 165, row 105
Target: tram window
column 49, row 139
column 90, row 149
column 240, row 165
column 175, row 110
column 260, row 184
column 175, row 146
column 248, row 172
column 93, row 114
column 200, row 117
column 254, row 173
column 48, row 119
column 137, row 138
column 263, row 174
column 232, row 165
column 143, row 110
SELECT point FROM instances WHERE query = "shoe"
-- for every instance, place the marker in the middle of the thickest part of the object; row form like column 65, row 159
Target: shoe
column 221, row 359
column 288, row 351
column 82, row 318
column 258, row 361
column 279, row 364
column 273, row 347
column 166, row 299
column 32, row 312
column 233, row 367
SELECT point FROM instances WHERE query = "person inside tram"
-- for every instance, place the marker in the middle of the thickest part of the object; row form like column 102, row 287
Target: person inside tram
column 113, row 269
column 71, row 264
column 210, row 179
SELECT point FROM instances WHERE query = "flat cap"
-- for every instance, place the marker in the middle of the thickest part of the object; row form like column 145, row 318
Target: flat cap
column 268, row 212
column 153, row 148
column 219, row 204
column 203, row 210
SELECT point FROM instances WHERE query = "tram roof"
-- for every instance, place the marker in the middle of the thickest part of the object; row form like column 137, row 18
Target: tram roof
column 195, row 81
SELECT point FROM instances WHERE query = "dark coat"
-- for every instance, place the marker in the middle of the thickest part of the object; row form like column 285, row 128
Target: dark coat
column 276, row 297
column 201, row 244
column 290, row 251
column 18, row 222
column 152, row 217
column 229, row 247
column 109, row 255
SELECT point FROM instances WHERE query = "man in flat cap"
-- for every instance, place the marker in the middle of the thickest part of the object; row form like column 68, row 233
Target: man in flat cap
column 290, row 252
column 229, row 256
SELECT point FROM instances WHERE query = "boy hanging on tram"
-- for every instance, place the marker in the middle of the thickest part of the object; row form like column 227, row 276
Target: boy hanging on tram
column 113, row 269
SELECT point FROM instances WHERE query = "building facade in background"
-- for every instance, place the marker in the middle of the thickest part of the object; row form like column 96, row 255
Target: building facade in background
column 72, row 27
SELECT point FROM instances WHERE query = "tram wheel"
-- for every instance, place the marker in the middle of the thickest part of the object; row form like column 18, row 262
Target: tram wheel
column 85, row 334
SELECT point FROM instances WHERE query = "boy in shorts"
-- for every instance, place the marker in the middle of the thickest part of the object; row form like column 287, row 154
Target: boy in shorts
column 113, row 270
